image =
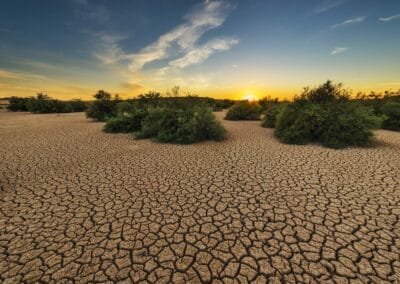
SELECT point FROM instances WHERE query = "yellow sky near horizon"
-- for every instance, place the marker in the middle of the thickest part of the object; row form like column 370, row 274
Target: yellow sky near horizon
column 26, row 84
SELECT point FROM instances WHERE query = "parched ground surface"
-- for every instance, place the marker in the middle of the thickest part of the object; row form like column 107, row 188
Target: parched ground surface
column 79, row 205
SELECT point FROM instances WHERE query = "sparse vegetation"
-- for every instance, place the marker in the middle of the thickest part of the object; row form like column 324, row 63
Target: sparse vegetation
column 127, row 120
column 181, row 125
column 391, row 110
column 244, row 110
column 267, row 102
column 76, row 105
column 326, row 115
column 271, row 114
column 42, row 103
column 386, row 104
column 180, row 120
column 17, row 104
column 104, row 107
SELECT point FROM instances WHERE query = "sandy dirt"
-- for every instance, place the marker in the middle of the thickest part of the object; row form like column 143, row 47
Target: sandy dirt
column 79, row 205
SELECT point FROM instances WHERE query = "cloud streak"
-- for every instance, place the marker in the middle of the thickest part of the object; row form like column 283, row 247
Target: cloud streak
column 338, row 50
column 201, row 53
column 183, row 39
column 349, row 22
column 327, row 5
column 391, row 18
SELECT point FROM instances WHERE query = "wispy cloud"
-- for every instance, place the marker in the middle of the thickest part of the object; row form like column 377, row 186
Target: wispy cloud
column 327, row 5
column 132, row 86
column 391, row 18
column 110, row 49
column 183, row 39
column 349, row 22
column 201, row 53
column 6, row 74
column 338, row 50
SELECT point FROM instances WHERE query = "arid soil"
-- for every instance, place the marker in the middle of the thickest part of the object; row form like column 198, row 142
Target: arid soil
column 79, row 205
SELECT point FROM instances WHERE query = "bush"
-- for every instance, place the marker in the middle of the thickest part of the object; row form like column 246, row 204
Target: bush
column 220, row 105
column 270, row 115
column 42, row 103
column 391, row 110
column 300, row 124
column 126, row 122
column 181, row 126
column 348, row 124
column 267, row 102
column 104, row 107
column 243, row 111
column 76, row 105
column 17, row 104
column 326, row 115
column 325, row 93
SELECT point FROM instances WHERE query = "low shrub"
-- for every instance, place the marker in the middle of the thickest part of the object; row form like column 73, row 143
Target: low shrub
column 181, row 125
column 104, row 107
column 243, row 111
column 326, row 115
column 126, row 122
column 17, row 104
column 267, row 102
column 42, row 103
column 391, row 110
column 270, row 115
column 76, row 105
column 348, row 124
column 220, row 105
column 300, row 124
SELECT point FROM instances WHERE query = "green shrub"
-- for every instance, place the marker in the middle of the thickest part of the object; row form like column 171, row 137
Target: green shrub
column 325, row 93
column 300, row 124
column 349, row 124
column 76, row 105
column 17, row 104
column 126, row 122
column 270, row 115
column 391, row 110
column 104, row 107
column 220, row 105
column 42, row 103
column 267, row 102
column 326, row 115
column 243, row 111
column 181, row 126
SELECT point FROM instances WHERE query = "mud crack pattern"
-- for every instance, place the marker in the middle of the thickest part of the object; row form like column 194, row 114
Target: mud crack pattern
column 79, row 205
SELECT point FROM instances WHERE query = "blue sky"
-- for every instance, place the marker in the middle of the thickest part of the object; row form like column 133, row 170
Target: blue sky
column 71, row 48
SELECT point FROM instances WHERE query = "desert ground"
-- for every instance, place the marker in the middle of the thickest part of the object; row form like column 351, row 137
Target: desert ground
column 79, row 205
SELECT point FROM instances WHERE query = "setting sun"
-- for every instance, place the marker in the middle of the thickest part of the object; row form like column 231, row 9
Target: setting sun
column 250, row 97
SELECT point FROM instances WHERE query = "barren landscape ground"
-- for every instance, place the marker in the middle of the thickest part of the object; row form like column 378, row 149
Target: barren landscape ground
column 81, row 205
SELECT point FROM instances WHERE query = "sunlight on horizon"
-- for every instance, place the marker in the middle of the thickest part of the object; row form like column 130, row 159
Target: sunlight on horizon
column 250, row 97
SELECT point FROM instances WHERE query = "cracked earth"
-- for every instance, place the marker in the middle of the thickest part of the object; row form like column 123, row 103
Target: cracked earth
column 79, row 205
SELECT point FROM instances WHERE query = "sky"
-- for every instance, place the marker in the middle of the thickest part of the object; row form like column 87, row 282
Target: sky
column 218, row 48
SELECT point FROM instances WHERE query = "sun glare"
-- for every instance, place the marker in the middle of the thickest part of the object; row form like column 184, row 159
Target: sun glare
column 250, row 97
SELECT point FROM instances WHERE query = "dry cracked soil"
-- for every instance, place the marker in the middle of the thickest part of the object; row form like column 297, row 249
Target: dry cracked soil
column 79, row 205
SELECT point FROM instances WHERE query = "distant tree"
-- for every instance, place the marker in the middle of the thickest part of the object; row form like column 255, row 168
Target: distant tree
column 104, row 107
column 17, row 104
